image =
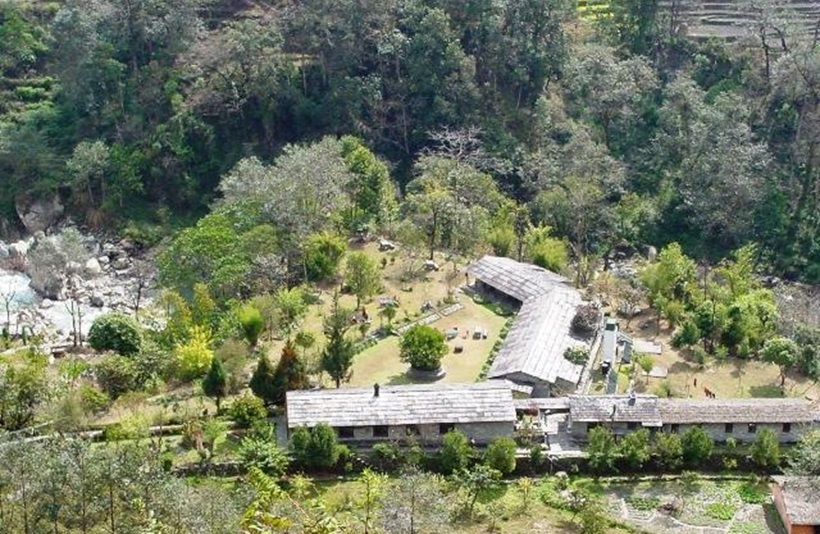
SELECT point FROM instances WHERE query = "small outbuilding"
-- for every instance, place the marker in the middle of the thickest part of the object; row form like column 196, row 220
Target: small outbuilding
column 482, row 411
column 798, row 501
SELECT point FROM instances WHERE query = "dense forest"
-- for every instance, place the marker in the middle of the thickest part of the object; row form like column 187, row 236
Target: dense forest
column 612, row 130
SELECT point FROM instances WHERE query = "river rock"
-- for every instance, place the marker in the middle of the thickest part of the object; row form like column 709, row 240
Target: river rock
column 39, row 214
column 120, row 264
column 103, row 261
column 18, row 249
column 97, row 300
column 4, row 251
column 92, row 267
column 46, row 304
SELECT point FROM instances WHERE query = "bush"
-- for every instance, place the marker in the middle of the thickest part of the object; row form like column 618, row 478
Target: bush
column 455, row 453
column 323, row 253
column 723, row 511
column 751, row 494
column 423, row 347
column 315, row 448
column 697, row 446
column 192, row 359
column 263, row 454
column 117, row 375
column 252, row 323
column 501, row 455
column 247, row 410
column 577, row 355
column 586, row 319
column 93, row 400
column 117, row 332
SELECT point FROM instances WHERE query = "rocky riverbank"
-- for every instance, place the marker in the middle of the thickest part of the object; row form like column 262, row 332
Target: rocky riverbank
column 49, row 282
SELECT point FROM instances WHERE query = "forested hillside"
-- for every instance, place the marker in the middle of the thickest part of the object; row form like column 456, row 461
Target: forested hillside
column 613, row 129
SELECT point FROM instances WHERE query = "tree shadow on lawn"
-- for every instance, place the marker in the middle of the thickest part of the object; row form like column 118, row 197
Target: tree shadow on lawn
column 399, row 379
column 767, row 391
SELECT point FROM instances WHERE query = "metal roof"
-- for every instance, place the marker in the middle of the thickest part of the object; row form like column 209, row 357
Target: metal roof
column 521, row 281
column 615, row 408
column 483, row 402
column 800, row 496
column 683, row 411
column 539, row 336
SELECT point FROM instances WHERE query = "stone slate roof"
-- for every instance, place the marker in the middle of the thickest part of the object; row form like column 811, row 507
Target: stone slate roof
column 521, row 281
column 483, row 402
column 615, row 408
column 683, row 411
column 800, row 495
column 540, row 334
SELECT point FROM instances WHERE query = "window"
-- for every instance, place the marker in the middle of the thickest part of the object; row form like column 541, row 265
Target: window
column 345, row 432
column 443, row 428
column 728, row 428
column 787, row 427
column 632, row 425
column 752, row 428
column 413, row 430
column 380, row 431
column 674, row 429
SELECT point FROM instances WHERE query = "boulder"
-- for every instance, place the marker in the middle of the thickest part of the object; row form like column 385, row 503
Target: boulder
column 103, row 261
column 39, row 214
column 46, row 304
column 18, row 249
column 120, row 264
column 50, row 286
column 4, row 251
column 97, row 300
column 92, row 267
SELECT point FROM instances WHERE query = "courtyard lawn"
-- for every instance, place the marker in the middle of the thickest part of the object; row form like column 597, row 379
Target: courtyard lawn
column 733, row 378
column 381, row 363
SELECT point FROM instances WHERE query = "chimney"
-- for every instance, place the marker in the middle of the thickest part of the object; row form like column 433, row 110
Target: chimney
column 376, row 390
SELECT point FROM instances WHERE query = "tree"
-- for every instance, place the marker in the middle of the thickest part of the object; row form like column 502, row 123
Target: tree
column 362, row 276
column 117, row 375
column 455, row 453
column 215, row 383
column 22, row 391
column 477, row 481
column 766, row 449
column 415, row 503
column 315, row 448
column 192, row 358
column 805, row 457
column 262, row 381
column 369, row 499
column 423, row 347
column 645, row 362
column 782, row 352
column 697, row 446
column 668, row 450
column 116, row 332
column 203, row 309
column 290, row 373
column 373, row 193
column 291, row 307
column 337, row 356
column 252, row 324
column 634, row 448
column 389, row 312
column 323, row 253
column 601, row 449
column 500, row 455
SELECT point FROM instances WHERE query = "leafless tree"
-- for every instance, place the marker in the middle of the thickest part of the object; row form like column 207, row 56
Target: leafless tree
column 7, row 296
column 465, row 145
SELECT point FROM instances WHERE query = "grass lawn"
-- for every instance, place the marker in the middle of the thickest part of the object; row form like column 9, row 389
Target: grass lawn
column 381, row 363
column 732, row 378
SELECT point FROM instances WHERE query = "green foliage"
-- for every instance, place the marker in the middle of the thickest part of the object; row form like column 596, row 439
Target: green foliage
column 455, row 453
column 117, row 375
column 323, row 253
column 315, row 448
column 264, row 454
column 252, row 323
column 697, row 446
column 601, row 449
column 337, row 356
column 215, row 383
column 766, row 449
column 805, row 457
column 500, row 455
column 192, row 359
column 115, row 332
column 23, row 389
column 290, row 373
column 634, row 448
column 93, row 400
column 644, row 504
column 423, row 347
column 752, row 493
column 782, row 352
column 263, row 382
column 247, row 410
column 723, row 511
column 373, row 193
column 362, row 276
column 545, row 251
column 203, row 308
column 668, row 450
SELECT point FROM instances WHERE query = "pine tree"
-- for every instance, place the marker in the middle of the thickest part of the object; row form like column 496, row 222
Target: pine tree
column 337, row 357
column 215, row 383
column 262, row 382
column 290, row 373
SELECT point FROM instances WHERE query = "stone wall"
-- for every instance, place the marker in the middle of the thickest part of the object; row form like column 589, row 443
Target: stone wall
column 431, row 434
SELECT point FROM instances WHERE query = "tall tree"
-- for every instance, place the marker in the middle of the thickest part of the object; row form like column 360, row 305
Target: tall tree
column 290, row 373
column 337, row 356
column 215, row 383
column 362, row 275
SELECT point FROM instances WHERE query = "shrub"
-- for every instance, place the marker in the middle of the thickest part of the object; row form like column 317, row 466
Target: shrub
column 323, row 253
column 117, row 332
column 751, row 494
column 423, row 347
column 577, row 355
column 697, row 446
column 315, row 448
column 247, row 410
column 192, row 358
column 500, row 455
column 252, row 323
column 263, row 454
column 93, row 400
column 586, row 319
column 455, row 452
column 117, row 375
column 766, row 449
column 687, row 335
column 643, row 504
column 723, row 511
